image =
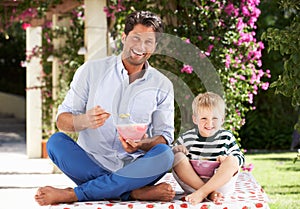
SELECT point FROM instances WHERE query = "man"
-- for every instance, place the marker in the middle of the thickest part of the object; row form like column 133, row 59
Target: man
column 101, row 163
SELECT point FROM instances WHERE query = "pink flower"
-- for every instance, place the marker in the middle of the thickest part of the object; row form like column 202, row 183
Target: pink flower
column 248, row 167
column 250, row 98
column 229, row 9
column 265, row 85
column 209, row 49
column 228, row 61
column 187, row 69
column 242, row 77
column 232, row 80
column 25, row 25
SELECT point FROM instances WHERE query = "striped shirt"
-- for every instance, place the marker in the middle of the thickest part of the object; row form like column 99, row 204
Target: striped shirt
column 221, row 143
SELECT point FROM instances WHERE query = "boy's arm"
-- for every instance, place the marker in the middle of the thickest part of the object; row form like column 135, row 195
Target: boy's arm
column 234, row 150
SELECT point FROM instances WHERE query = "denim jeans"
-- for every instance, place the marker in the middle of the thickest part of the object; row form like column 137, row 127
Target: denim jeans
column 97, row 183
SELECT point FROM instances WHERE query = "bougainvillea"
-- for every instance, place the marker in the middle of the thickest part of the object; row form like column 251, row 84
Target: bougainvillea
column 224, row 31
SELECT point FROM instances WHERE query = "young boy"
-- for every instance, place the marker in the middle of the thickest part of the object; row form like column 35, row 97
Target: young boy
column 207, row 140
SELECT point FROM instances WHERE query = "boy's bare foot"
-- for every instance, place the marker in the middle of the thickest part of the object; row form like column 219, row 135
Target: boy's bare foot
column 49, row 195
column 196, row 197
column 160, row 192
column 215, row 196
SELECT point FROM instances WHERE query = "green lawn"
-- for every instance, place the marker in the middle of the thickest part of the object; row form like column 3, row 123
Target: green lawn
column 279, row 177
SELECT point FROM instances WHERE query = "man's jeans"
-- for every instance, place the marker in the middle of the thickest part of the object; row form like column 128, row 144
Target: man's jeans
column 96, row 183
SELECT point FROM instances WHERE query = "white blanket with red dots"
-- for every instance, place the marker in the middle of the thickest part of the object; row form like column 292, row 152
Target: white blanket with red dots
column 248, row 194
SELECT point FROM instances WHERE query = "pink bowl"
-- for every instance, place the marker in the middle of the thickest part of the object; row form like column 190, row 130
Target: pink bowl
column 205, row 168
column 134, row 132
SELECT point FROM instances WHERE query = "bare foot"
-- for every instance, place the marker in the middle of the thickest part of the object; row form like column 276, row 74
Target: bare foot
column 160, row 192
column 196, row 197
column 49, row 195
column 215, row 196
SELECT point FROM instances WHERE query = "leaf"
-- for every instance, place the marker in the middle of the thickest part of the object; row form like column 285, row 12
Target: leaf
column 295, row 58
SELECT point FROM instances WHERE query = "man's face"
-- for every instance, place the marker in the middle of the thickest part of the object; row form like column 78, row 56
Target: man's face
column 139, row 44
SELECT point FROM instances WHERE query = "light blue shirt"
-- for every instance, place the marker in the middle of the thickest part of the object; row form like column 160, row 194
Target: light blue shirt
column 105, row 82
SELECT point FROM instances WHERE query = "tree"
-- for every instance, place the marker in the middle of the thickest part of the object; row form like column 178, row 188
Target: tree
column 287, row 42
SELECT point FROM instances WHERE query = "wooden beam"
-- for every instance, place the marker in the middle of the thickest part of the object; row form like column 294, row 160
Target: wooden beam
column 66, row 6
column 11, row 3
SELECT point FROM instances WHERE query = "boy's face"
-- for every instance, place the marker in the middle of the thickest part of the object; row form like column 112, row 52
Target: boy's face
column 208, row 121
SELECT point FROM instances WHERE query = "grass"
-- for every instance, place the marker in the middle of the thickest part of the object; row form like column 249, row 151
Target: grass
column 279, row 177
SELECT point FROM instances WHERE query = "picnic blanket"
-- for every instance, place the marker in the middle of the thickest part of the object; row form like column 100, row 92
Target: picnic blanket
column 248, row 194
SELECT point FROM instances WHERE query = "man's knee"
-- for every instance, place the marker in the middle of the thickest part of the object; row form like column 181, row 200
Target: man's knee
column 164, row 153
column 56, row 141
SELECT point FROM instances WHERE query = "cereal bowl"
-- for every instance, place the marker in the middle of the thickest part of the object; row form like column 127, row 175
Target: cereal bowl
column 205, row 168
column 134, row 131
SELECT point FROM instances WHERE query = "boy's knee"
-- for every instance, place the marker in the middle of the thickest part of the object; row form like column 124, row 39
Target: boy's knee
column 179, row 157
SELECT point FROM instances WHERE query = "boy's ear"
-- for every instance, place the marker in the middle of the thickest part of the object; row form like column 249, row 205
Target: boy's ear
column 195, row 120
column 223, row 120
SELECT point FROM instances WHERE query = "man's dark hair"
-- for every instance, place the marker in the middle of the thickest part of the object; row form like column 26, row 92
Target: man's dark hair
column 145, row 18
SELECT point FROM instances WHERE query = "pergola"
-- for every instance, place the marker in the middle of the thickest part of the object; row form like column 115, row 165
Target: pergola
column 95, row 40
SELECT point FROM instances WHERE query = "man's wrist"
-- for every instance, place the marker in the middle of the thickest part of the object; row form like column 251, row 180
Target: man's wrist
column 80, row 122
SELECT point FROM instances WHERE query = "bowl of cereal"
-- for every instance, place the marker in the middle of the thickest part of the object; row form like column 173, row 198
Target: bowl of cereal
column 133, row 131
column 205, row 168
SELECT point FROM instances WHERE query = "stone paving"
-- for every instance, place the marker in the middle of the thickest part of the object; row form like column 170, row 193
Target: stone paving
column 19, row 176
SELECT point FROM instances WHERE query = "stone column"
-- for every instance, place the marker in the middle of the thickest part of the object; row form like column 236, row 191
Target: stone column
column 95, row 29
column 33, row 94
column 58, row 20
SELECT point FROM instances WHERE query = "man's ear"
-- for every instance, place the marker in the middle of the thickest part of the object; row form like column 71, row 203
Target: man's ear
column 195, row 121
column 123, row 38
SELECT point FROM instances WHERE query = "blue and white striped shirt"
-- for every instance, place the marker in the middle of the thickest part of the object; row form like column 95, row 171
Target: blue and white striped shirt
column 221, row 143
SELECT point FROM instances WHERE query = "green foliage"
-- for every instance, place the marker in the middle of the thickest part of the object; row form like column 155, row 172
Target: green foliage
column 270, row 126
column 12, row 45
column 286, row 41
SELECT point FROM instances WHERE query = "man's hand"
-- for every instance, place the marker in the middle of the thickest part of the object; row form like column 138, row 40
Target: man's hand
column 96, row 117
column 129, row 145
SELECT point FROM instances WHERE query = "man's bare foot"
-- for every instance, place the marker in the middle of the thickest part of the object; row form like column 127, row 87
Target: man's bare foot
column 196, row 197
column 160, row 192
column 215, row 196
column 49, row 195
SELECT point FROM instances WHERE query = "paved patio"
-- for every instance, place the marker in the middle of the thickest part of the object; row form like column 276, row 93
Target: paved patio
column 19, row 176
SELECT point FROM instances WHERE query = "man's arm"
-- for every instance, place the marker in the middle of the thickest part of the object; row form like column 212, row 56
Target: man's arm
column 93, row 118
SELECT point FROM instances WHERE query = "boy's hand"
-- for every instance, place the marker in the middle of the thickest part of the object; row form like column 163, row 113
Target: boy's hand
column 180, row 148
column 221, row 158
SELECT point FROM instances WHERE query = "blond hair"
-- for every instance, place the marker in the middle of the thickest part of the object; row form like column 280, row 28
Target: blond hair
column 208, row 100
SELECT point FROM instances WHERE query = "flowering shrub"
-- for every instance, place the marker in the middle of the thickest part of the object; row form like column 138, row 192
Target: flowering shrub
column 224, row 31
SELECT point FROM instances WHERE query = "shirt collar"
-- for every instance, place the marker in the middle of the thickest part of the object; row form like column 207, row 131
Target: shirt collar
column 123, row 72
